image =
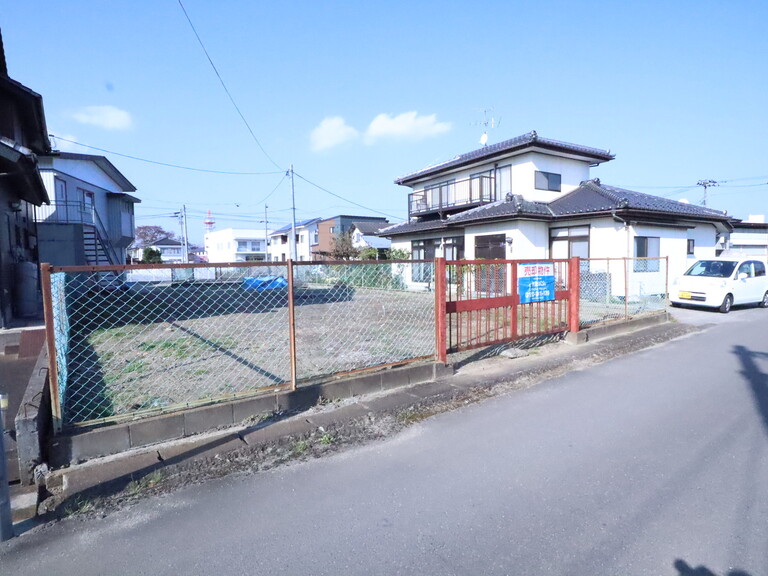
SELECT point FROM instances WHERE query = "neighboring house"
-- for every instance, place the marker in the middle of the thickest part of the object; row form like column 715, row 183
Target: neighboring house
column 532, row 197
column 236, row 245
column 364, row 237
column 90, row 220
column 23, row 136
column 307, row 237
column 171, row 251
column 330, row 228
column 749, row 238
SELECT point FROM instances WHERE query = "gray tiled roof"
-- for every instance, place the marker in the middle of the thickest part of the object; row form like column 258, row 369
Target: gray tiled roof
column 514, row 205
column 593, row 197
column 370, row 227
column 524, row 141
column 590, row 198
column 413, row 227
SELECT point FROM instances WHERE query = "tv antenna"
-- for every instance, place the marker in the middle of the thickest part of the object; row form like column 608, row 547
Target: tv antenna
column 487, row 123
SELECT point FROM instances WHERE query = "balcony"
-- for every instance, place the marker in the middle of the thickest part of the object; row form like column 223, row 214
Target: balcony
column 452, row 196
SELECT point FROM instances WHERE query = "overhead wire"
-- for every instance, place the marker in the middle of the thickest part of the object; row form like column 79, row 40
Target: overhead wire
column 345, row 199
column 166, row 164
column 223, row 85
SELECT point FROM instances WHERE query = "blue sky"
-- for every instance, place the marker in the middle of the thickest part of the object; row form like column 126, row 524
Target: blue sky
column 355, row 94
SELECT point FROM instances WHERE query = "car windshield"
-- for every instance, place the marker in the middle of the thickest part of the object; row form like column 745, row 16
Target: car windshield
column 712, row 268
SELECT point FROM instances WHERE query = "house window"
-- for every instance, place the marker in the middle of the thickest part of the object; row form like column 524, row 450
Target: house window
column 503, row 181
column 423, row 250
column 547, row 181
column 315, row 237
column 647, row 247
column 453, row 248
column 691, row 245
column 331, row 229
column 569, row 242
column 439, row 195
column 242, row 246
column 490, row 247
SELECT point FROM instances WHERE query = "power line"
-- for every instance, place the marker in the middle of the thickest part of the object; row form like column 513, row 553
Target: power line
column 163, row 163
column 345, row 199
column 231, row 99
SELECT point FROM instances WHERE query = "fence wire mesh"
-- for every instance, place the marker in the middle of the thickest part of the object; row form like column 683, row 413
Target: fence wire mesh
column 359, row 314
column 138, row 340
column 621, row 288
column 151, row 339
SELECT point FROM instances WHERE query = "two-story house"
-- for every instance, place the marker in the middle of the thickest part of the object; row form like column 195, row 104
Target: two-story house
column 90, row 220
column 306, row 238
column 23, row 137
column 236, row 245
column 331, row 228
column 171, row 251
column 532, row 197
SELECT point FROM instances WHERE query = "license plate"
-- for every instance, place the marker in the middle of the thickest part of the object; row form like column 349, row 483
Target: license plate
column 684, row 295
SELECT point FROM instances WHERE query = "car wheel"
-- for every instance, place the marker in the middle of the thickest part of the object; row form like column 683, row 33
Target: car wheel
column 764, row 302
column 725, row 307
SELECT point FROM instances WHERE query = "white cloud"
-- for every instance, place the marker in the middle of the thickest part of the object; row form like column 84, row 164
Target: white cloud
column 408, row 125
column 331, row 132
column 107, row 117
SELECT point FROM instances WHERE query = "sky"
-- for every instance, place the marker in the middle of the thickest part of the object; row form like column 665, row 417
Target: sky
column 208, row 104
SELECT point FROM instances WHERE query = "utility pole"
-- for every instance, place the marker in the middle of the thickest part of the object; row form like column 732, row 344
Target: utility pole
column 293, row 219
column 186, row 234
column 266, row 235
column 706, row 184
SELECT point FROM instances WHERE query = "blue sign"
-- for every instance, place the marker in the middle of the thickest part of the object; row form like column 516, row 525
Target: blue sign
column 536, row 282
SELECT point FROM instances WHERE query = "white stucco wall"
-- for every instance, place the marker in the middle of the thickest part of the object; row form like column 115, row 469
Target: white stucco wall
column 523, row 168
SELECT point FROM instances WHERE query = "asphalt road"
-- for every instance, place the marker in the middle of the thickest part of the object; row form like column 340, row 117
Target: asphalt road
column 654, row 463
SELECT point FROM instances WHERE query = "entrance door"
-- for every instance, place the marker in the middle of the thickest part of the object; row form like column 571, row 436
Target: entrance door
column 490, row 279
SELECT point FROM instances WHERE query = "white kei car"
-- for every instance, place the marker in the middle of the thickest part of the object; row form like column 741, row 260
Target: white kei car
column 721, row 283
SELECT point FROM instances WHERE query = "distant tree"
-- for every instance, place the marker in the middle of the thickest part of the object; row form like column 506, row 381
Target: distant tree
column 398, row 254
column 343, row 249
column 148, row 235
column 369, row 254
column 151, row 256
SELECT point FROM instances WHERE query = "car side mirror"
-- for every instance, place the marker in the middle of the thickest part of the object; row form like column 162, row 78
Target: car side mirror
column 743, row 275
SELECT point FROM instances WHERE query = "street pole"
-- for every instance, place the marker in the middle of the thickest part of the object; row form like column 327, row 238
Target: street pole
column 6, row 522
column 186, row 234
column 293, row 219
column 705, row 184
column 266, row 235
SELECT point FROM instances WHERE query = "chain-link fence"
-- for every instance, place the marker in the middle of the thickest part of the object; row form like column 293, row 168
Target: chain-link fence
column 141, row 340
column 619, row 288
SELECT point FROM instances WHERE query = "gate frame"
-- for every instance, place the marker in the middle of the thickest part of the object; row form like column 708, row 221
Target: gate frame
column 442, row 309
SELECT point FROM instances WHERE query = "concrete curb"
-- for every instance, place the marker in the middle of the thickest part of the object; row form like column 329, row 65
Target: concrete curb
column 443, row 385
column 79, row 447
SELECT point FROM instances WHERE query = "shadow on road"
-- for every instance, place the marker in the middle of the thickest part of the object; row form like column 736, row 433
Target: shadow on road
column 756, row 378
column 684, row 569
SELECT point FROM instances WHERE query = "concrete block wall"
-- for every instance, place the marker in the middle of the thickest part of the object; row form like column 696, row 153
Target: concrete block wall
column 78, row 447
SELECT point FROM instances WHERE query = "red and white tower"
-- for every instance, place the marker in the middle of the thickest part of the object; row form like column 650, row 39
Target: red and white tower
column 209, row 222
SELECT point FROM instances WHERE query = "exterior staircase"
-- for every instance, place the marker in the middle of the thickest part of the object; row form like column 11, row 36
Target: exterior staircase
column 97, row 253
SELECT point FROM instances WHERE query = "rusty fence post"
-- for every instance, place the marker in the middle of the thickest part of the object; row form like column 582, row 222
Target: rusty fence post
column 441, row 348
column 50, row 339
column 291, row 323
column 574, row 283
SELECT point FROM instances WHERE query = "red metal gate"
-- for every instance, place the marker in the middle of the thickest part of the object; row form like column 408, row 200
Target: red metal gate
column 479, row 302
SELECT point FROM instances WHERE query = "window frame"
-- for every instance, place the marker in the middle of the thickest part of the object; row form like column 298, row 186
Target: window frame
column 552, row 180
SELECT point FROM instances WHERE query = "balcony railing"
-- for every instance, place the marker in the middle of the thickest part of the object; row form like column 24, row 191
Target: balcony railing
column 465, row 193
